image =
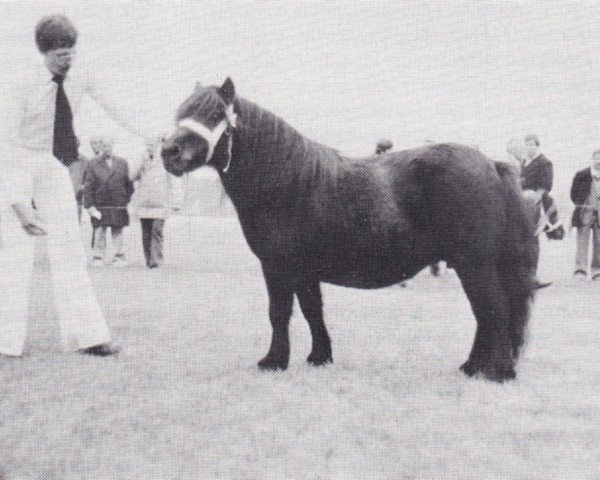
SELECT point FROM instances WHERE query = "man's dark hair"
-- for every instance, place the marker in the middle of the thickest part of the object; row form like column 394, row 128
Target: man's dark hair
column 533, row 138
column 55, row 31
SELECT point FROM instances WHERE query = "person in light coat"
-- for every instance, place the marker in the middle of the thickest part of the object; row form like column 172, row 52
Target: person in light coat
column 154, row 199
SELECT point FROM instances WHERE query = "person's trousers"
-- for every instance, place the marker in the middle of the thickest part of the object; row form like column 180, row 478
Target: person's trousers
column 583, row 245
column 81, row 321
column 100, row 243
column 152, row 239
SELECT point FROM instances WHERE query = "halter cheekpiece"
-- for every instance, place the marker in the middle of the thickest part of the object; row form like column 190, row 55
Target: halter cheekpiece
column 212, row 137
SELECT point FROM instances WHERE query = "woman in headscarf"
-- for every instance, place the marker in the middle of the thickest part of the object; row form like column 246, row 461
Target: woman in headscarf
column 154, row 202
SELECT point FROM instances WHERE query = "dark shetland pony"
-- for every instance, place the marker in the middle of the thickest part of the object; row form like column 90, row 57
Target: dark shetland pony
column 311, row 216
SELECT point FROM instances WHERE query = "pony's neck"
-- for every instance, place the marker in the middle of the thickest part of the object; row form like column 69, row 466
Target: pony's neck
column 270, row 159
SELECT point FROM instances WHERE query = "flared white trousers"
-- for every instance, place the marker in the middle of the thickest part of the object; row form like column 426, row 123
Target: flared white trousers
column 81, row 321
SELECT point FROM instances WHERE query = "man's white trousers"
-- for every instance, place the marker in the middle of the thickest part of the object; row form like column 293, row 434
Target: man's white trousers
column 80, row 318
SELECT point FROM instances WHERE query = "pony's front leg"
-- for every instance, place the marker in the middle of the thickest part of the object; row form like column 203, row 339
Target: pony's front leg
column 281, row 300
column 311, row 304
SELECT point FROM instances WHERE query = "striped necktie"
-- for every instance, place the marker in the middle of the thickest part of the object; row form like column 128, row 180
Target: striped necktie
column 65, row 143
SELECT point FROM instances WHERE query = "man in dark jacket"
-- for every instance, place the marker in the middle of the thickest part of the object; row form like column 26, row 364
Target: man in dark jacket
column 585, row 194
column 537, row 174
column 107, row 193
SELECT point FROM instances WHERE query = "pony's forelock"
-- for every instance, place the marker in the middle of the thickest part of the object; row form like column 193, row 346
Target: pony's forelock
column 203, row 105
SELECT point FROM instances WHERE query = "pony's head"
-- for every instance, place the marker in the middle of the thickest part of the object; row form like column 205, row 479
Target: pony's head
column 202, row 121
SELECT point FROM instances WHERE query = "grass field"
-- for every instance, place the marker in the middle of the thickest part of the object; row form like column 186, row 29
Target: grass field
column 185, row 399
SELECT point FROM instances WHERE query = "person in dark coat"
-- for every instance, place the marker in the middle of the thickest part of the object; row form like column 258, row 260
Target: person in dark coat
column 537, row 174
column 585, row 194
column 107, row 193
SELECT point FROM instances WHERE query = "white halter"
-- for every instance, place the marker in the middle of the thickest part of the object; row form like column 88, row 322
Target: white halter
column 212, row 137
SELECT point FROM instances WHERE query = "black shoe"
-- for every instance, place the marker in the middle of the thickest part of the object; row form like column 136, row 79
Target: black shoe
column 102, row 350
column 596, row 277
column 152, row 265
column 580, row 273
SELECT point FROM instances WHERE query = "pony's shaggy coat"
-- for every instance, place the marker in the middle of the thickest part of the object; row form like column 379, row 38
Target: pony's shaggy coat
column 311, row 215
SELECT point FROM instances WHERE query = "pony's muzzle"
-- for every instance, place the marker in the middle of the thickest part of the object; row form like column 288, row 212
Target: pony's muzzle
column 170, row 152
column 171, row 156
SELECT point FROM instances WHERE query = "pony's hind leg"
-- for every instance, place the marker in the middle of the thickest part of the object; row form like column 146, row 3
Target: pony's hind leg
column 311, row 304
column 281, row 300
column 480, row 352
column 492, row 352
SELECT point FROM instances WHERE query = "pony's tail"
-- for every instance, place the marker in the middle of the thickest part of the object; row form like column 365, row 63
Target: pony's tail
column 518, row 258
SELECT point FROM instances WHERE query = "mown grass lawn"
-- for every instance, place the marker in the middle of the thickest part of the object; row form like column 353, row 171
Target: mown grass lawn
column 185, row 399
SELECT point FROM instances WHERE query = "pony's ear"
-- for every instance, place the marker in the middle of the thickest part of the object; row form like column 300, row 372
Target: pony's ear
column 227, row 91
column 198, row 85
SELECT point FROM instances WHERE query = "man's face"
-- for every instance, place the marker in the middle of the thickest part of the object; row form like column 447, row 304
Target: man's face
column 59, row 60
column 532, row 148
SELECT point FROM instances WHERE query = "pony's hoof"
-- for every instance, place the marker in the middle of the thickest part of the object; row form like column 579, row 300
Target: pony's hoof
column 318, row 359
column 499, row 375
column 269, row 363
column 470, row 368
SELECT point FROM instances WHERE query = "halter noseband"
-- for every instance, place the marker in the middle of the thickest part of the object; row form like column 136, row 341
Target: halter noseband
column 212, row 137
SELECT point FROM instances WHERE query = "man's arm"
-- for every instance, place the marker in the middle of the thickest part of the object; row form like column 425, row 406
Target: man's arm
column 138, row 172
column 13, row 110
column 97, row 92
column 16, row 188
column 30, row 221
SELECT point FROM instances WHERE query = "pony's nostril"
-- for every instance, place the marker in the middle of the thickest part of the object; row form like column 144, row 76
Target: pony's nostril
column 170, row 151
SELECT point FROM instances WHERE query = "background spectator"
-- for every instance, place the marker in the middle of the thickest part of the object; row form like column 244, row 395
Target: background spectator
column 585, row 194
column 154, row 202
column 537, row 174
column 107, row 193
column 383, row 145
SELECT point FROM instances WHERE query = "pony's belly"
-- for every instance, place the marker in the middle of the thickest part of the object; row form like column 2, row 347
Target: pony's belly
column 354, row 280
column 372, row 275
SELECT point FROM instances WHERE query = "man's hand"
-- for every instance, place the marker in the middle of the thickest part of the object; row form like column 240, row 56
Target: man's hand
column 29, row 219
column 95, row 213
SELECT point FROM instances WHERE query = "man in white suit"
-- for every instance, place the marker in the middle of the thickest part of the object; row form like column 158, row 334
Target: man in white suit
column 38, row 145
